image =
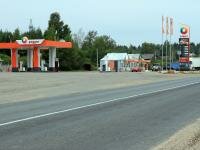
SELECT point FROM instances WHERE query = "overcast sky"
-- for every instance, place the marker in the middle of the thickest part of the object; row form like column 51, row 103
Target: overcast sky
column 127, row 21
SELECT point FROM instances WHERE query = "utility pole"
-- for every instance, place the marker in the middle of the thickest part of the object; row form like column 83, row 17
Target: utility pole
column 97, row 59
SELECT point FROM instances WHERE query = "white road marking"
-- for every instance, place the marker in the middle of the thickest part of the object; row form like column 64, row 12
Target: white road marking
column 95, row 104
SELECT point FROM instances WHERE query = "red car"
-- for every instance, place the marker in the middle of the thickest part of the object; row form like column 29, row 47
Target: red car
column 136, row 69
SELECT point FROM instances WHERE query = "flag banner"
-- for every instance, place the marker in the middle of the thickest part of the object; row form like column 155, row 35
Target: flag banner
column 167, row 26
column 163, row 29
column 171, row 26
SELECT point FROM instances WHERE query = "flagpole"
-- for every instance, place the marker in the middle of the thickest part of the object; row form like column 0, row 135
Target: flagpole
column 170, row 48
column 170, row 52
column 171, row 33
column 162, row 40
column 162, row 50
column 166, row 52
column 167, row 30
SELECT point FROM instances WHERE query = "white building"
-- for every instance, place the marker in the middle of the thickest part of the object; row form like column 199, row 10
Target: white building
column 195, row 63
column 114, row 62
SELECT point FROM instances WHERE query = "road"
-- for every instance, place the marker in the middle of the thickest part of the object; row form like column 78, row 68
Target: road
column 131, row 118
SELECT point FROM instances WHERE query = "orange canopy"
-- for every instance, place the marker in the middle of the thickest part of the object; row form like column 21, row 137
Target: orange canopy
column 8, row 45
column 45, row 43
column 57, row 44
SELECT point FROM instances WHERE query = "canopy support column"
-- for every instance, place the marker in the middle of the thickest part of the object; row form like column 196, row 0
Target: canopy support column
column 30, row 60
column 52, row 58
column 14, row 60
column 36, row 59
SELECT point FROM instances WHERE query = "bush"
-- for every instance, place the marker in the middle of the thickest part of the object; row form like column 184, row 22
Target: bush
column 6, row 59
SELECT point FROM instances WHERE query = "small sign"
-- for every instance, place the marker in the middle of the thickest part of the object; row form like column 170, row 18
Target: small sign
column 184, row 59
column 184, row 41
column 179, row 53
column 26, row 41
column 185, row 32
column 184, row 48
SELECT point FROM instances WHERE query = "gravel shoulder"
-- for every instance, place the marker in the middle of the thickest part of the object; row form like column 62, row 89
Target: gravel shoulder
column 187, row 138
column 16, row 87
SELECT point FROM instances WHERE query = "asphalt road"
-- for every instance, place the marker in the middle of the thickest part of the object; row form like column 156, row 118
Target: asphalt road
column 127, row 118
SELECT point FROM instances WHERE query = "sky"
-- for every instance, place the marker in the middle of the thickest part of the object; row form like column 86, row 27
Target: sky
column 126, row 21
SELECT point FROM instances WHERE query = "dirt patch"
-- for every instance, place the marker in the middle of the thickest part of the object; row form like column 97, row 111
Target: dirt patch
column 15, row 87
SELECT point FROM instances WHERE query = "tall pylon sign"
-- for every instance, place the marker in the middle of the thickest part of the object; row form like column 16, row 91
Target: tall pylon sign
column 184, row 42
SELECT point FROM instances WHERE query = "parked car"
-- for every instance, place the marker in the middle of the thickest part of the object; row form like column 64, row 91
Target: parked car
column 136, row 69
column 184, row 67
column 174, row 66
column 156, row 67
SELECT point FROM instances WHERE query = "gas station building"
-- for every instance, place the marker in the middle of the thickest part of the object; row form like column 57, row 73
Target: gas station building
column 33, row 48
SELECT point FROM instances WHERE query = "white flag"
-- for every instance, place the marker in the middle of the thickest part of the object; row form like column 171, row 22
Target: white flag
column 171, row 26
column 167, row 26
column 163, row 29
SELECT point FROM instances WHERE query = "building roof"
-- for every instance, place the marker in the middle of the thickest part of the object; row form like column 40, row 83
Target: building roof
column 133, row 56
column 116, row 56
column 147, row 56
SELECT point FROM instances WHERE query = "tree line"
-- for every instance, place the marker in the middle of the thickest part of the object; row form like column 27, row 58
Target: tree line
column 85, row 47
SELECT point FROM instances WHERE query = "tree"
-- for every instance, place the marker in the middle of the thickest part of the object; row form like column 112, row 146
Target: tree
column 6, row 59
column 57, row 30
column 121, row 49
column 33, row 33
column 6, row 36
column 192, row 47
column 50, row 34
column 104, row 44
column 65, row 33
column 39, row 34
column 78, row 38
column 197, row 50
column 92, row 43
column 88, row 42
column 16, row 35
column 133, row 49
column 148, row 48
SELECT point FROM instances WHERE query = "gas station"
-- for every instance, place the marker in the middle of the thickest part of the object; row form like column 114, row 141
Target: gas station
column 33, row 48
